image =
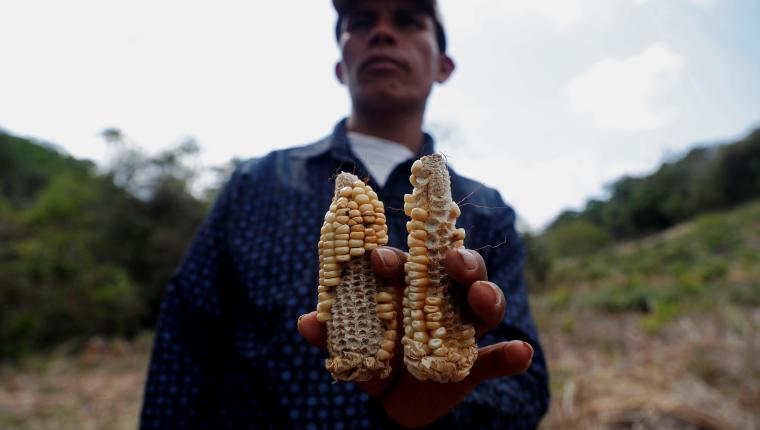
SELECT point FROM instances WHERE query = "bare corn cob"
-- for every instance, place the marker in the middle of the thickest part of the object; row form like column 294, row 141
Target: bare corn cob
column 438, row 343
column 358, row 309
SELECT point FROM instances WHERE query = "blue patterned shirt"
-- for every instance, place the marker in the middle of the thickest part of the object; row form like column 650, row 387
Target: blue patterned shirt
column 227, row 353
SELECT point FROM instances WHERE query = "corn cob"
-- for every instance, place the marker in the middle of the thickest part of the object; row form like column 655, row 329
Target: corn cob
column 438, row 343
column 358, row 309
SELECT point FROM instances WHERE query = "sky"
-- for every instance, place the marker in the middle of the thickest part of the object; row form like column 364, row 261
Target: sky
column 551, row 100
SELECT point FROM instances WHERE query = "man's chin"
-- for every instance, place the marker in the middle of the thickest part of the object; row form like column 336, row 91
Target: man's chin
column 385, row 100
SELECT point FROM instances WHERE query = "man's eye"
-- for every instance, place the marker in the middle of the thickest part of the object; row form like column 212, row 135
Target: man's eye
column 406, row 20
column 358, row 23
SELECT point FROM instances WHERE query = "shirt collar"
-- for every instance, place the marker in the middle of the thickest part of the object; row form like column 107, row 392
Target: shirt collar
column 338, row 146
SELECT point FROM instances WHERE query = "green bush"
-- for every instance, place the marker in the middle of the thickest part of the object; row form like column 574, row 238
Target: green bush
column 560, row 298
column 630, row 296
column 662, row 313
column 703, row 180
column 538, row 262
column 745, row 293
column 717, row 234
column 58, row 290
column 577, row 238
column 713, row 269
column 81, row 255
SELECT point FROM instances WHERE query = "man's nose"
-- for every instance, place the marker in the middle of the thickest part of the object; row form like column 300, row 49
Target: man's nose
column 383, row 33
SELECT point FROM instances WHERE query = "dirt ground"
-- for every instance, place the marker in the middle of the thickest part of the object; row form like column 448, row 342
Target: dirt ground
column 698, row 372
column 99, row 388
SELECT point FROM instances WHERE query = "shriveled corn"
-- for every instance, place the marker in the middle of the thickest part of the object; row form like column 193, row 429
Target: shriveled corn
column 438, row 343
column 358, row 309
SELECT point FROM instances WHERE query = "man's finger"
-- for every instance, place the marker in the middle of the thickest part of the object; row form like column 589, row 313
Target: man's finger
column 312, row 330
column 465, row 266
column 388, row 262
column 501, row 359
column 487, row 302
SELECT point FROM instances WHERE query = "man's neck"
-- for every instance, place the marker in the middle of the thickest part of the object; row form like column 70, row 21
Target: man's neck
column 403, row 128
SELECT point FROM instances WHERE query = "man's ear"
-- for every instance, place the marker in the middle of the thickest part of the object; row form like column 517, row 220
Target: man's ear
column 446, row 67
column 339, row 72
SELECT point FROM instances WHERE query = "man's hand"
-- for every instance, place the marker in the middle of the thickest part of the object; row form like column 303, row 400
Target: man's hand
column 412, row 402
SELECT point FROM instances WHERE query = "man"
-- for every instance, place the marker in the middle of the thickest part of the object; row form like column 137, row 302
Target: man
column 231, row 345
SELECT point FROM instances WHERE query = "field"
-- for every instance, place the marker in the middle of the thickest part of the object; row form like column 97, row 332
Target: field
column 661, row 333
column 99, row 387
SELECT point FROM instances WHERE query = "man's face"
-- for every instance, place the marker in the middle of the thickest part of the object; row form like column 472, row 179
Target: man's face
column 390, row 55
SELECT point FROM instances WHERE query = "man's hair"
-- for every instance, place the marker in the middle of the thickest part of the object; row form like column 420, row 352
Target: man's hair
column 429, row 7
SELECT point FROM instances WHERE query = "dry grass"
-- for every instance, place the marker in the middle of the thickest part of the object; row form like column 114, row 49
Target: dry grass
column 100, row 388
column 698, row 372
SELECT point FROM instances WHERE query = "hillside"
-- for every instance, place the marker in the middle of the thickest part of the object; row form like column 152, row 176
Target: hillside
column 658, row 333
column 84, row 253
column 663, row 331
column 26, row 167
column 705, row 179
column 714, row 259
column 648, row 303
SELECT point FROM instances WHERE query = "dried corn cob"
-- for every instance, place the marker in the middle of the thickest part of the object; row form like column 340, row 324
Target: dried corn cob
column 359, row 311
column 438, row 343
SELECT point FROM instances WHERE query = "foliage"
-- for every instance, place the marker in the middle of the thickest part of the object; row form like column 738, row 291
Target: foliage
column 705, row 179
column 712, row 260
column 26, row 166
column 578, row 237
column 538, row 263
column 738, row 170
column 85, row 253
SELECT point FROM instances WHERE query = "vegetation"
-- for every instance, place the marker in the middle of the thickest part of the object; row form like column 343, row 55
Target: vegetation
column 646, row 302
column 82, row 252
column 588, row 246
column 85, row 252
column 683, row 239
column 714, row 259
column 704, row 180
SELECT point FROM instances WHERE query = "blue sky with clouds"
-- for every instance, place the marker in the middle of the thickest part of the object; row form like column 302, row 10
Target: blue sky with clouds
column 551, row 99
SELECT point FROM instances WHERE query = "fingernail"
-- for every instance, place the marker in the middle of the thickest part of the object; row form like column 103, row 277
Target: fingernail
column 529, row 347
column 387, row 256
column 298, row 324
column 496, row 296
column 469, row 260
column 530, row 360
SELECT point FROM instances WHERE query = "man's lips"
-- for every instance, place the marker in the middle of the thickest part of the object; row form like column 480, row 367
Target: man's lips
column 382, row 62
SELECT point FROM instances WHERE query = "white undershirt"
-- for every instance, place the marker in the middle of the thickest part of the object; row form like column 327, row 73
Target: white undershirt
column 380, row 156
